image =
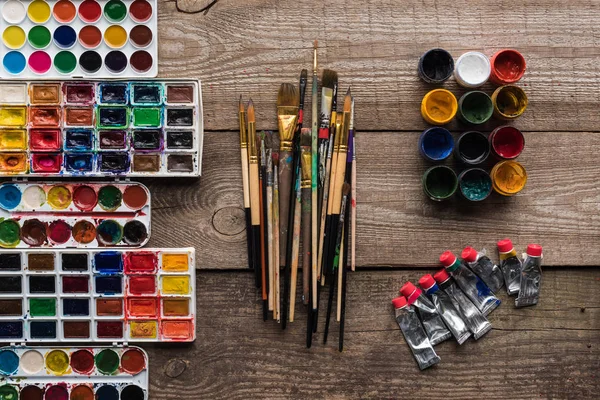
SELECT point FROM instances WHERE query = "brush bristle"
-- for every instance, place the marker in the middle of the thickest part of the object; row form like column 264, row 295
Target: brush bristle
column 268, row 137
column 275, row 157
column 288, row 96
column 306, row 137
column 251, row 111
column 304, row 74
column 346, row 189
column 348, row 101
column 330, row 78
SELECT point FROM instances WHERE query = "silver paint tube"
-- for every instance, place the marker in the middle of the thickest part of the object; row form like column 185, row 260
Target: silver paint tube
column 474, row 319
column 480, row 263
column 414, row 334
column 444, row 305
column 531, row 277
column 430, row 318
column 475, row 289
column 510, row 266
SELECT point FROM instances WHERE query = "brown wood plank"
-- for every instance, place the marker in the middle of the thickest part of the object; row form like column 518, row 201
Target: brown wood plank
column 250, row 47
column 397, row 224
column 551, row 350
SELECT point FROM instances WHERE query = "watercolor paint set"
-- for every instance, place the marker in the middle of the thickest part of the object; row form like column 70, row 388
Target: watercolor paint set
column 75, row 373
column 78, row 39
column 97, row 296
column 101, row 128
column 86, row 215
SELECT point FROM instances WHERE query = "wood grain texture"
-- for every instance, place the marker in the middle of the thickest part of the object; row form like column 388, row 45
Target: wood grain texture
column 551, row 350
column 250, row 47
column 397, row 225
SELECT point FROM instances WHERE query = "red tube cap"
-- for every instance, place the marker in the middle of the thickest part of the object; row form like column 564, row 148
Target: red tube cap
column 447, row 258
column 426, row 282
column 505, row 245
column 534, row 250
column 399, row 302
column 441, row 276
column 469, row 254
column 407, row 289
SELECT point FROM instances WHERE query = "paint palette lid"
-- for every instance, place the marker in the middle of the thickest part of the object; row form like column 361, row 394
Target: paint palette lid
column 52, row 214
column 46, row 39
column 119, row 372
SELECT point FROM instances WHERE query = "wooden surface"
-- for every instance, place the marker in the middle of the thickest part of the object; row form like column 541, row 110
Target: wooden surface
column 550, row 351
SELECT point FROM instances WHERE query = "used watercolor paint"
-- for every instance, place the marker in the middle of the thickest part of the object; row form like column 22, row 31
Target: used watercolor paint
column 74, row 215
column 97, row 296
column 52, row 39
column 96, row 128
column 75, row 373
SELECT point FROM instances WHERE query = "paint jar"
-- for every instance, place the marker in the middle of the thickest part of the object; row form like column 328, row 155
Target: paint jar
column 472, row 69
column 475, row 184
column 472, row 148
column 436, row 144
column 439, row 182
column 508, row 66
column 475, row 107
column 436, row 66
column 508, row 177
column 439, row 106
column 507, row 142
column 509, row 102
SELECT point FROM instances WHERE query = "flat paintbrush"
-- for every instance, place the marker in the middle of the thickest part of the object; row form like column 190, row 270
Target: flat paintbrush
column 269, row 208
column 336, row 260
column 287, row 116
column 353, row 189
column 254, row 192
column 329, row 83
column 263, row 222
column 306, row 185
column 245, row 184
column 276, row 278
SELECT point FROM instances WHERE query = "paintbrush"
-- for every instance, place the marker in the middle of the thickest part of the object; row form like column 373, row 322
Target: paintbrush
column 306, row 185
column 346, row 210
column 336, row 261
column 287, row 116
column 344, row 274
column 329, row 83
column 353, row 189
column 263, row 222
column 340, row 174
column 269, row 232
column 276, row 283
column 254, row 192
column 314, row 171
column 245, row 184
column 295, row 245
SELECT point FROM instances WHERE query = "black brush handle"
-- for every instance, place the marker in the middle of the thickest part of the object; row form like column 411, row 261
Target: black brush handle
column 249, row 236
column 343, row 314
column 329, row 306
column 335, row 224
column 256, row 255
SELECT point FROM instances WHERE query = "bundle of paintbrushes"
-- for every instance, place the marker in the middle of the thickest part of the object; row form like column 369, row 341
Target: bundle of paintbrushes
column 301, row 183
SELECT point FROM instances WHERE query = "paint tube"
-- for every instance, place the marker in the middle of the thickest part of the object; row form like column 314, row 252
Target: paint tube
column 481, row 264
column 430, row 318
column 413, row 332
column 474, row 319
column 445, row 306
column 531, row 277
column 475, row 289
column 510, row 266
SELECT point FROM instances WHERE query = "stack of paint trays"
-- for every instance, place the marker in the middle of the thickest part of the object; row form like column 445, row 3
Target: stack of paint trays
column 103, row 38
column 63, row 373
column 476, row 152
column 74, row 215
column 100, row 128
column 97, row 296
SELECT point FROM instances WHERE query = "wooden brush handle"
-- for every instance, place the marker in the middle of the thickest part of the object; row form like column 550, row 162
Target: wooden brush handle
column 254, row 195
column 306, row 243
column 285, row 191
column 339, row 182
column 295, row 254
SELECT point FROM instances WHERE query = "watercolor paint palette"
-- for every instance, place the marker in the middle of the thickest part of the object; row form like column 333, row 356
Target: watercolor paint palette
column 98, row 296
column 74, row 215
column 76, row 373
column 101, row 128
column 44, row 39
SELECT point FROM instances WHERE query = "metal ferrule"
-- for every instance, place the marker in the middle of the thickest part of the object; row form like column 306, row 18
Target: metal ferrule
column 306, row 167
column 253, row 150
column 243, row 133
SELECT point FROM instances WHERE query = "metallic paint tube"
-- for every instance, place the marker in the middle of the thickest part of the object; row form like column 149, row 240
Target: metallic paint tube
column 484, row 268
column 531, row 277
column 430, row 318
column 510, row 265
column 414, row 334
